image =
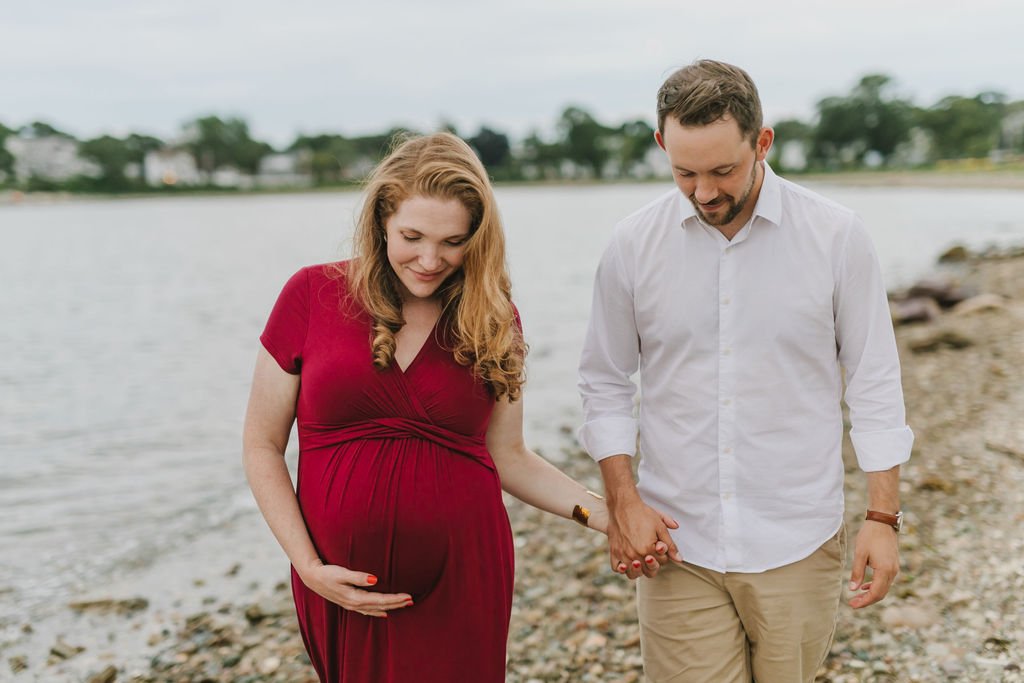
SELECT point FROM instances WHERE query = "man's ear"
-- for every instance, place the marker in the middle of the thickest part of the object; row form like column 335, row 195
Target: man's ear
column 660, row 140
column 764, row 143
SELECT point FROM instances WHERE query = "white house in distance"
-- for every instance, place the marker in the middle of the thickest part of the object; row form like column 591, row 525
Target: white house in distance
column 229, row 176
column 170, row 167
column 177, row 167
column 52, row 157
column 792, row 155
column 285, row 170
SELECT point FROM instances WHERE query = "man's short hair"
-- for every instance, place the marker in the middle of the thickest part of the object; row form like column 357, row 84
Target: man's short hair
column 707, row 91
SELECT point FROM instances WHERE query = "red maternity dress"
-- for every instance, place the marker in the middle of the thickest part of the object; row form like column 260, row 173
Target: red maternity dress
column 394, row 479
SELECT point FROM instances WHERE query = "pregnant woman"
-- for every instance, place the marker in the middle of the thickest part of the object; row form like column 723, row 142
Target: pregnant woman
column 404, row 370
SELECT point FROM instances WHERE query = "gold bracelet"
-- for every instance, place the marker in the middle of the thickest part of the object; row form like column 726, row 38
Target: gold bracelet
column 582, row 514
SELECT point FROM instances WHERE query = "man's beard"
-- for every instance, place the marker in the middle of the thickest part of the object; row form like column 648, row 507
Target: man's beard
column 735, row 207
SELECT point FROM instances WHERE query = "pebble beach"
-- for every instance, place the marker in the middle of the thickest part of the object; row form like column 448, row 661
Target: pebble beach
column 955, row 613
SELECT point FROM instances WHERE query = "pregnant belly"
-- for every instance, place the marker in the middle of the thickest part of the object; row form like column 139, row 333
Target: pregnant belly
column 400, row 510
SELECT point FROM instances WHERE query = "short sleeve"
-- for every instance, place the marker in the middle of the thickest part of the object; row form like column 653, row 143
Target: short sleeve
column 518, row 319
column 285, row 333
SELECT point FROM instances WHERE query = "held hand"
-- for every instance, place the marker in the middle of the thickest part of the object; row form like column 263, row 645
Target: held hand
column 876, row 547
column 344, row 587
column 638, row 539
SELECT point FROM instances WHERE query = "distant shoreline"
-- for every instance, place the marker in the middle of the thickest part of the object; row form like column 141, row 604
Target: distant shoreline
column 973, row 180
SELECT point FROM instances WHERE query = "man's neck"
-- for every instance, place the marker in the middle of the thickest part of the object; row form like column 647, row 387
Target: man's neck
column 737, row 224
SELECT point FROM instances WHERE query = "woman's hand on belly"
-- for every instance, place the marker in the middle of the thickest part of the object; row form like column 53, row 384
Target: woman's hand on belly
column 345, row 587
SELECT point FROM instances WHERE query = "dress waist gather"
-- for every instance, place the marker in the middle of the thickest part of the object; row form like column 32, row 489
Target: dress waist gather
column 317, row 436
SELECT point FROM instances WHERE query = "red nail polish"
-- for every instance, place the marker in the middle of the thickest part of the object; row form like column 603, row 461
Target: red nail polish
column 636, row 564
column 409, row 604
column 371, row 580
column 650, row 560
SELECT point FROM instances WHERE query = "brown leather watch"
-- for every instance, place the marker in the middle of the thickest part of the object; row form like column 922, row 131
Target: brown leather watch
column 895, row 521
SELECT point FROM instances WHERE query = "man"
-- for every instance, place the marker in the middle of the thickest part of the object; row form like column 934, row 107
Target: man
column 741, row 303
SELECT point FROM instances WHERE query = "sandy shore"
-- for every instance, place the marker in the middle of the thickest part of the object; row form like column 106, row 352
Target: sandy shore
column 219, row 611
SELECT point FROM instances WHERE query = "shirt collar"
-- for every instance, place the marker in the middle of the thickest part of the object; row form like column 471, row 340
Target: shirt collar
column 768, row 206
column 769, row 202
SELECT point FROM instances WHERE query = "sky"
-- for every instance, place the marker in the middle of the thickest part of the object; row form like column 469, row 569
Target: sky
column 312, row 66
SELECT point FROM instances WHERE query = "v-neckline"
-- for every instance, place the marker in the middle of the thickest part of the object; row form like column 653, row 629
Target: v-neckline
column 419, row 352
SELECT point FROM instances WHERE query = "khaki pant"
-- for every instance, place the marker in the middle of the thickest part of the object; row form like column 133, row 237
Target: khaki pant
column 701, row 626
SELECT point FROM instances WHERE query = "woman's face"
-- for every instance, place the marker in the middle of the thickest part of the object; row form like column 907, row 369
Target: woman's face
column 426, row 239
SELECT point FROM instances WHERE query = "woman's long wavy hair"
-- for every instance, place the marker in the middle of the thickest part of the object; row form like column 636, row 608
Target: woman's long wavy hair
column 476, row 305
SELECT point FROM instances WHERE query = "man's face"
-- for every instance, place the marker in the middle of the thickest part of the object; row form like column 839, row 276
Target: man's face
column 716, row 168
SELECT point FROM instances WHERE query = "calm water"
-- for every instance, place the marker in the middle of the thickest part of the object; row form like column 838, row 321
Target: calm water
column 128, row 331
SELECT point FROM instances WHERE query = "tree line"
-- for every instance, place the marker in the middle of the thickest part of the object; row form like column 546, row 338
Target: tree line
column 870, row 126
column 874, row 126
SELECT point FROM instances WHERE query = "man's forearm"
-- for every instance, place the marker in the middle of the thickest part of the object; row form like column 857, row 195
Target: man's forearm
column 619, row 486
column 884, row 490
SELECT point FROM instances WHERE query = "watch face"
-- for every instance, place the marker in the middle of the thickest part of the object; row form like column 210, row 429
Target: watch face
column 899, row 521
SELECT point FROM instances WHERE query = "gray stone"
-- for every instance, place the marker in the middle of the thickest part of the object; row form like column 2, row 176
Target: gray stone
column 935, row 339
column 64, row 650
column 108, row 675
column 979, row 303
column 18, row 663
column 911, row 616
column 954, row 254
column 914, row 310
column 110, row 605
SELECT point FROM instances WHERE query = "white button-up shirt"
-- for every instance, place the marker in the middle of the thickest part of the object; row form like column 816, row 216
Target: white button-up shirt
column 740, row 346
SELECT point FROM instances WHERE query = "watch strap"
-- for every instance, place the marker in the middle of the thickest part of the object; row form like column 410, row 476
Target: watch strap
column 895, row 521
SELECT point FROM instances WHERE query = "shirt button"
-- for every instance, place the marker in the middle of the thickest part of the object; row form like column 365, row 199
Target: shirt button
column 725, row 301
column 726, row 352
column 726, row 402
column 727, row 450
column 726, row 496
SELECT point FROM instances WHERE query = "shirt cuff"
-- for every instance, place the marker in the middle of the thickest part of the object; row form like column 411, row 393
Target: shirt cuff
column 882, row 450
column 608, row 436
